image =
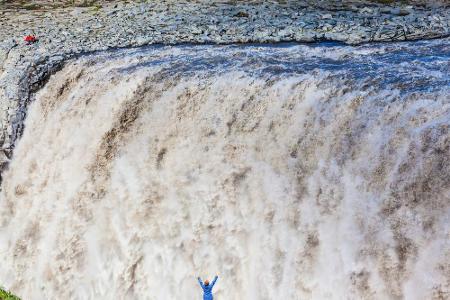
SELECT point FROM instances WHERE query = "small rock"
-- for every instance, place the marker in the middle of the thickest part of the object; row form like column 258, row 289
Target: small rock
column 399, row 12
column 366, row 10
column 242, row 14
column 403, row 12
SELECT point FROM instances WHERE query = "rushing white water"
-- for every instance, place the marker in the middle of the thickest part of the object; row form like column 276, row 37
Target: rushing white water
column 292, row 172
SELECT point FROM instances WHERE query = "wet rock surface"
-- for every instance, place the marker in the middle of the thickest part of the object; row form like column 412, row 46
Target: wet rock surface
column 63, row 32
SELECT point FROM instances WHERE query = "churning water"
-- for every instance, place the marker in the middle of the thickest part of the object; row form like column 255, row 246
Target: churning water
column 292, row 172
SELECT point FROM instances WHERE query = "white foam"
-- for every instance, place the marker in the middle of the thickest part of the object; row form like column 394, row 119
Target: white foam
column 279, row 185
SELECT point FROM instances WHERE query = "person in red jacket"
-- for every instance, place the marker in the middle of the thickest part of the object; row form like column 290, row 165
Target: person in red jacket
column 30, row 39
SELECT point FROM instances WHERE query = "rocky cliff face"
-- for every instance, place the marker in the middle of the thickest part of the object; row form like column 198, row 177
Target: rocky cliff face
column 298, row 172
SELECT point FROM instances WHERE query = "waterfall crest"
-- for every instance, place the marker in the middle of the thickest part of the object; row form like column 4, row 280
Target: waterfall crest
column 297, row 172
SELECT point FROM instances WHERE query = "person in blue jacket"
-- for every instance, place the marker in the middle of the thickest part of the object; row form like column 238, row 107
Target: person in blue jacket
column 207, row 288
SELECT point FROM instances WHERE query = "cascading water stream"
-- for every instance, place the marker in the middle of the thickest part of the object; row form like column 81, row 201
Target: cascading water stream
column 293, row 172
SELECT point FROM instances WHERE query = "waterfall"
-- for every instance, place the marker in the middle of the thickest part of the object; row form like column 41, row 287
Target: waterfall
column 291, row 171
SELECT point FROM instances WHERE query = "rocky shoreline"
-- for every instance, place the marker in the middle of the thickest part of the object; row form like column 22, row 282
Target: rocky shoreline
column 68, row 31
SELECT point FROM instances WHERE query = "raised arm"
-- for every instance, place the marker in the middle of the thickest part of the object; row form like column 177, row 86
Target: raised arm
column 201, row 283
column 214, row 281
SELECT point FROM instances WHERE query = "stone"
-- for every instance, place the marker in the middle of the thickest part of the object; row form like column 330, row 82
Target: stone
column 366, row 10
column 242, row 14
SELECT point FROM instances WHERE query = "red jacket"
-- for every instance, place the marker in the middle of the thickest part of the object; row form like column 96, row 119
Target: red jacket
column 30, row 39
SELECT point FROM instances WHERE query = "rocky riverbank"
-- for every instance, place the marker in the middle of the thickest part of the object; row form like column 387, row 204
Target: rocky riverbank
column 67, row 31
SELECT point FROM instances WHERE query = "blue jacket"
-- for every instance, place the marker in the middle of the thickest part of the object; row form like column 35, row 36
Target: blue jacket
column 207, row 289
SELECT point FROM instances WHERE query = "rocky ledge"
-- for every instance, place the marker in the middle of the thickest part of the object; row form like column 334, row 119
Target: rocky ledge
column 63, row 32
